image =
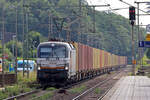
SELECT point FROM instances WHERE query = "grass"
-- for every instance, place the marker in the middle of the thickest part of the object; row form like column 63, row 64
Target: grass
column 97, row 91
column 45, row 96
column 78, row 89
column 13, row 91
column 145, row 67
column 130, row 74
column 113, row 72
column 148, row 75
column 144, row 61
column 33, row 95
column 25, row 80
column 23, row 85
column 51, row 89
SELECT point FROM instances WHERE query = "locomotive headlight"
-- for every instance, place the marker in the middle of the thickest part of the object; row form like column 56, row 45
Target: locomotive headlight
column 67, row 66
column 39, row 68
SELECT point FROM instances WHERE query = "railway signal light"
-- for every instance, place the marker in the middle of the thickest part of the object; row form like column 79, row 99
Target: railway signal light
column 131, row 13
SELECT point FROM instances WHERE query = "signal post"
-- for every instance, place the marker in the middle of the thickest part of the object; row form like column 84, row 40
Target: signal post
column 132, row 22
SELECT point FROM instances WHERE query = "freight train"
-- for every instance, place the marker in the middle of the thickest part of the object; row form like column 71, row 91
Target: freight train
column 63, row 62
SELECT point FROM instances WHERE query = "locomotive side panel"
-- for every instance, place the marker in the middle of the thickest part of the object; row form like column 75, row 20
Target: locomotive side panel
column 73, row 63
column 77, row 58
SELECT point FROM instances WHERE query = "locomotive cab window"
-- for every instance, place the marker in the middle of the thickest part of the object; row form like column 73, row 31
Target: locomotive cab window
column 53, row 51
column 45, row 52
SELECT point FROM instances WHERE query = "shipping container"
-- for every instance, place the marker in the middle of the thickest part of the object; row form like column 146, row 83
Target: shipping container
column 100, row 58
column 88, row 58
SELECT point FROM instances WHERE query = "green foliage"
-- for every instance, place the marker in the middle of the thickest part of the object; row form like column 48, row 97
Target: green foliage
column 51, row 89
column 145, row 59
column 12, row 45
column 25, row 80
column 13, row 91
column 24, row 85
column 7, row 51
column 78, row 89
column 33, row 39
column 45, row 96
column 97, row 91
column 113, row 32
column 3, row 95
column 148, row 53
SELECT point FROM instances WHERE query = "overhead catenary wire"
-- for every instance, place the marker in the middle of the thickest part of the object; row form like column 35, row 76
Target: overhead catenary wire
column 134, row 6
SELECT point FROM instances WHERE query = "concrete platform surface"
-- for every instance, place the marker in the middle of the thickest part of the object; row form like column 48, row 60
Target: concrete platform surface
column 130, row 88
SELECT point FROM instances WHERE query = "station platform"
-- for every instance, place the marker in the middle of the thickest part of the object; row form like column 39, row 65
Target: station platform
column 130, row 88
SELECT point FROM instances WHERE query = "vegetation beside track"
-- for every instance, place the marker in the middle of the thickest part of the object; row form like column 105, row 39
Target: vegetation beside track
column 23, row 85
column 78, row 89
column 30, row 82
column 49, row 93
column 45, row 96
column 97, row 90
column 145, row 68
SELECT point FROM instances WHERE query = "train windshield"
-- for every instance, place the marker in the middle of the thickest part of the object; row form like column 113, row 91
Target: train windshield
column 55, row 51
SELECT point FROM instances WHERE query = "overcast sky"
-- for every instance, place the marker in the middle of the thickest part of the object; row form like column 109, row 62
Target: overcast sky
column 125, row 12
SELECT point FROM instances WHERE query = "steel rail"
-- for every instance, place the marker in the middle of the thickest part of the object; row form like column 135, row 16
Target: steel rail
column 21, row 95
column 101, row 97
column 89, row 90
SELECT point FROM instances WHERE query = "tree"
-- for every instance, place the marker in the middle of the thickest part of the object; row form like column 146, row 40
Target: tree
column 148, row 53
column 11, row 45
column 33, row 42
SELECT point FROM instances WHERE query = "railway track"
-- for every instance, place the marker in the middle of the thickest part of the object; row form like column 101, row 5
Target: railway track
column 40, row 92
column 129, row 69
column 64, row 89
column 88, row 94
column 21, row 95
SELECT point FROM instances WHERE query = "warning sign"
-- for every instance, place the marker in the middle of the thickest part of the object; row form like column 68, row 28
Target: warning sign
column 148, row 37
column 133, row 61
